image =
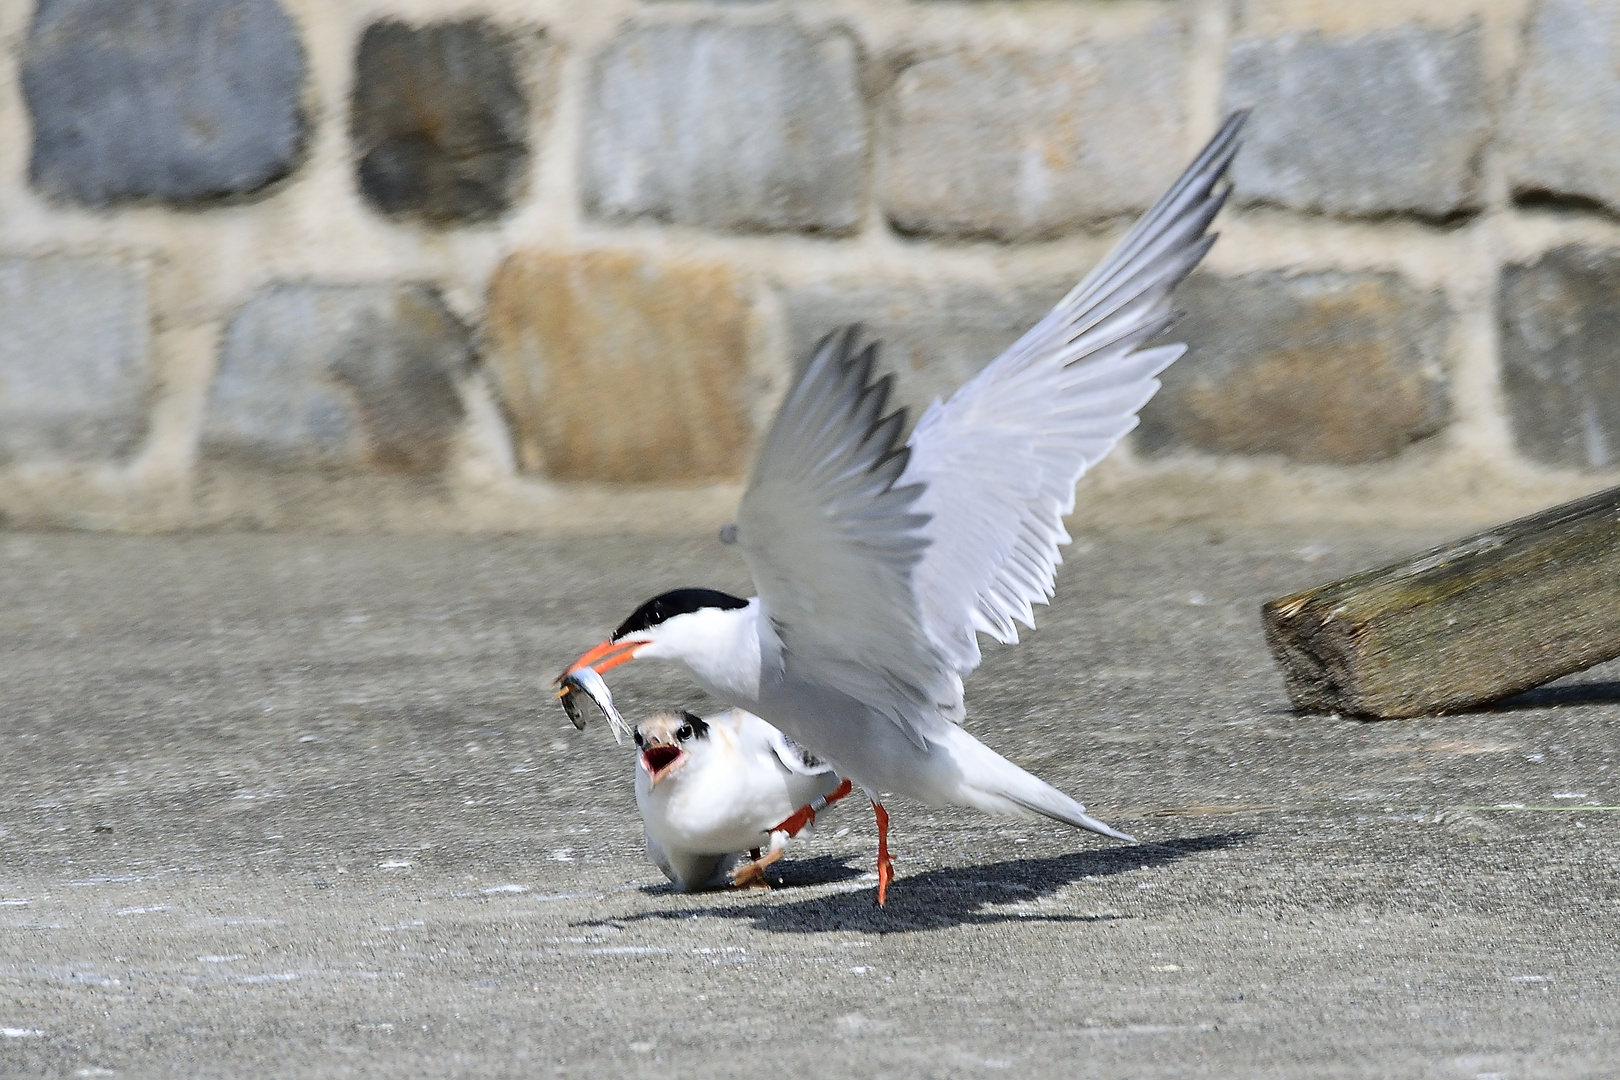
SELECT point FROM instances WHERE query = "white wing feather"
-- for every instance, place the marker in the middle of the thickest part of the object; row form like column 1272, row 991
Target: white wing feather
column 831, row 541
column 999, row 461
column 795, row 758
column 875, row 564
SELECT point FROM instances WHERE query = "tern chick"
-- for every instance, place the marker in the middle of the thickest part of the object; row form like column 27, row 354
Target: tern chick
column 711, row 790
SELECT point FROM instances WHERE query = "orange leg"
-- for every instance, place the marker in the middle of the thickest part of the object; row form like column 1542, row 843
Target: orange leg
column 804, row 815
column 885, row 864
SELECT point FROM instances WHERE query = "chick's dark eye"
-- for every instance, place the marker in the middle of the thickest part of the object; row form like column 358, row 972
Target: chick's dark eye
column 684, row 733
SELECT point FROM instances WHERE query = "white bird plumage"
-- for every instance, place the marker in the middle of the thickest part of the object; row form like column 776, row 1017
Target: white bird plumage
column 878, row 564
column 713, row 788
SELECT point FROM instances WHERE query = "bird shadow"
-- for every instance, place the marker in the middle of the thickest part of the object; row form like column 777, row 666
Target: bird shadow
column 936, row 899
column 1545, row 697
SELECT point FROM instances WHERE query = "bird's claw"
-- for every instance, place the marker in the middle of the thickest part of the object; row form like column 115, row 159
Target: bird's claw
column 751, row 875
column 885, row 872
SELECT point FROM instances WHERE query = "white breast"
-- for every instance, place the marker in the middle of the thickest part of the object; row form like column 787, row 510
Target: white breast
column 730, row 792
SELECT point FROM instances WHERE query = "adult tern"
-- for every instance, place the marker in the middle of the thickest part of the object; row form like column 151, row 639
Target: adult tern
column 878, row 563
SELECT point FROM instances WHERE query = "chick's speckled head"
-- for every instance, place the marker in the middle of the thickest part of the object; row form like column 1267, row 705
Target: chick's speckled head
column 664, row 741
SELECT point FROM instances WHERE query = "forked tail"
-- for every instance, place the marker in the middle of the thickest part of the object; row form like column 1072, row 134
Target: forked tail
column 992, row 783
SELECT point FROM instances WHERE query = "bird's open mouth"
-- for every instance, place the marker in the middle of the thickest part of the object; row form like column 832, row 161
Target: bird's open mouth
column 658, row 760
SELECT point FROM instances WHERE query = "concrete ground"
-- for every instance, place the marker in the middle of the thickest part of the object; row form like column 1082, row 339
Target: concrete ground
column 298, row 806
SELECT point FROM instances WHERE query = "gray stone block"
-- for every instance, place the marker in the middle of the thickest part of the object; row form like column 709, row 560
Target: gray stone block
column 75, row 359
column 173, row 100
column 1560, row 348
column 731, row 127
column 1019, row 145
column 1564, row 126
column 1390, row 123
column 933, row 337
column 439, row 119
column 339, row 376
column 1336, row 368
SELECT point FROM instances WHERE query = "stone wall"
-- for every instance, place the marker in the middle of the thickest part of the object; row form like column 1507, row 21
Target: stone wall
column 549, row 264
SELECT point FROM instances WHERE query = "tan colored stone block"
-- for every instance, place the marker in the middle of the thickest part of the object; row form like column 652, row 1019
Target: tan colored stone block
column 616, row 368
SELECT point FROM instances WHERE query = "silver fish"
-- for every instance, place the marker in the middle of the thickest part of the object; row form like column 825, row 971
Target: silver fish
column 585, row 680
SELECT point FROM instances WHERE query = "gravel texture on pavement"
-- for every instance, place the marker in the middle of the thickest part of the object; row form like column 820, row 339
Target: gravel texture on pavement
column 303, row 806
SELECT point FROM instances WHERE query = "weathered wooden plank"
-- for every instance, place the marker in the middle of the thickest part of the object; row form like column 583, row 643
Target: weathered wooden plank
column 1467, row 623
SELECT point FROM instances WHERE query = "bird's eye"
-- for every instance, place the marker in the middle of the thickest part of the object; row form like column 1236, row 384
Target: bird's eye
column 684, row 733
column 639, row 740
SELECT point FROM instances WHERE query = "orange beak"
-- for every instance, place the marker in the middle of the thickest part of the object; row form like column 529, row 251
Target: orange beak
column 606, row 656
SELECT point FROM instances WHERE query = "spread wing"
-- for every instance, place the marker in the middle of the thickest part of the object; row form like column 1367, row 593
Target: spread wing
column 832, row 539
column 999, row 461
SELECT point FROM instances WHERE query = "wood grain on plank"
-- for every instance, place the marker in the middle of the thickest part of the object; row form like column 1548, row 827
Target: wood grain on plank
column 1467, row 623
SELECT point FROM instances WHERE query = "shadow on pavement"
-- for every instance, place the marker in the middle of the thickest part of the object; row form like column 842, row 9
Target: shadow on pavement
column 1544, row 697
column 938, row 899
